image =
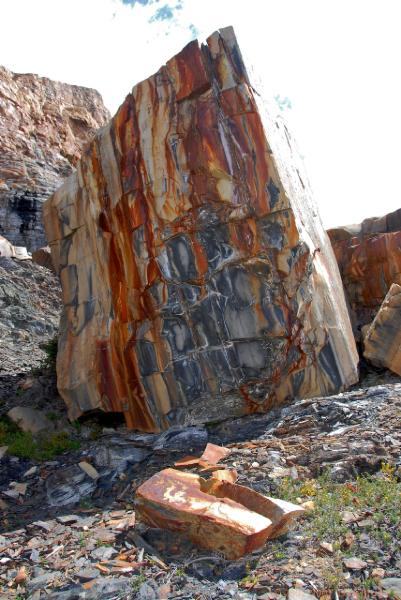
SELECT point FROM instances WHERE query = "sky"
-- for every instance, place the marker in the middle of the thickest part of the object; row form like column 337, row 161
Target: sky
column 333, row 64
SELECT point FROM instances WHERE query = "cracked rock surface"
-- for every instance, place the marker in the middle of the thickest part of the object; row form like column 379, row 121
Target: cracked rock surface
column 198, row 281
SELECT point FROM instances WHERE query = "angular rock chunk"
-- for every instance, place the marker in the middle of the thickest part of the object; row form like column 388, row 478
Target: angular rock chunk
column 369, row 261
column 198, row 282
column 382, row 342
column 30, row 419
column 42, row 257
column 218, row 515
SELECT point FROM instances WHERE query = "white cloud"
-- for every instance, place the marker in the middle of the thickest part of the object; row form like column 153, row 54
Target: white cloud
column 337, row 61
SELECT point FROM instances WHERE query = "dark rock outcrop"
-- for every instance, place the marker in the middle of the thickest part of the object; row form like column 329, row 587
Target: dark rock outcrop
column 44, row 125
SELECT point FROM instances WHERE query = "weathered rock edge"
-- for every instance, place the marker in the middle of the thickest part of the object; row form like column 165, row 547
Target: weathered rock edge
column 198, row 281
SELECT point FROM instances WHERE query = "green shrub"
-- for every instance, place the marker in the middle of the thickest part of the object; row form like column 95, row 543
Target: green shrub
column 24, row 445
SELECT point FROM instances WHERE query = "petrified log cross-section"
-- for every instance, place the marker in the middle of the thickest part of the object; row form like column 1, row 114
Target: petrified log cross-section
column 198, row 282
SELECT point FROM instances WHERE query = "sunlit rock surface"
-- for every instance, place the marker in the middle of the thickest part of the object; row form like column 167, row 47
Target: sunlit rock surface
column 218, row 515
column 43, row 126
column 382, row 342
column 369, row 259
column 198, row 282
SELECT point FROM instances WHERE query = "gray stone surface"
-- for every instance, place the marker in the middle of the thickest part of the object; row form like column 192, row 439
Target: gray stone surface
column 30, row 419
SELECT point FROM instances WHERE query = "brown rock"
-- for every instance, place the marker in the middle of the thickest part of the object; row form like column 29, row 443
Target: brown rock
column 369, row 260
column 217, row 515
column 355, row 564
column 326, row 548
column 214, row 454
column 382, row 342
column 21, row 576
column 89, row 469
column 44, row 125
column 198, row 282
column 43, row 257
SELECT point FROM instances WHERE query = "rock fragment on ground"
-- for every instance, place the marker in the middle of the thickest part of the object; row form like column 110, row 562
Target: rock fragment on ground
column 30, row 419
column 216, row 514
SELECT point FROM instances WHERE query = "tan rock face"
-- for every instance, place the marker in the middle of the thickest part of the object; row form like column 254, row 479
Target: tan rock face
column 44, row 125
column 370, row 261
column 382, row 342
column 198, row 282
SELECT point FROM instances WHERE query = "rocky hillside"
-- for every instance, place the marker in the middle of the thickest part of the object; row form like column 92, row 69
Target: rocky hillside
column 29, row 314
column 44, row 125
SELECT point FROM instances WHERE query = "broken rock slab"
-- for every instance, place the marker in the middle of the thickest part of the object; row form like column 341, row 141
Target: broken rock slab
column 382, row 341
column 198, row 281
column 217, row 515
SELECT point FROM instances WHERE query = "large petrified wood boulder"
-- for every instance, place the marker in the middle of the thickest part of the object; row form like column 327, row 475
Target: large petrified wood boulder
column 198, row 281
column 382, row 342
column 369, row 259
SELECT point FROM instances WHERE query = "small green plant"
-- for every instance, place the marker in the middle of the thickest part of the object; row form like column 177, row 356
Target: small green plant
column 24, row 445
column 49, row 360
column 50, row 349
column 52, row 416
column 369, row 583
column 332, row 576
column 137, row 581
column 77, row 426
column 249, row 581
column 86, row 503
column 375, row 495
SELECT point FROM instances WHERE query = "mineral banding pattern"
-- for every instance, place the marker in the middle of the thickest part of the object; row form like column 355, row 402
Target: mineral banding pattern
column 198, row 282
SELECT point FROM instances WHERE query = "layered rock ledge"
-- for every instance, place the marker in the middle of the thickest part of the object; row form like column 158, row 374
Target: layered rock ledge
column 198, row 281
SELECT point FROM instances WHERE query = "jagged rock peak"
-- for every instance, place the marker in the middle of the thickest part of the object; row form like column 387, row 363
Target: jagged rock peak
column 44, row 125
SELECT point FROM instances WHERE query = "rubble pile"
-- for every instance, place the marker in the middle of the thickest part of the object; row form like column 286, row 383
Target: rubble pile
column 70, row 531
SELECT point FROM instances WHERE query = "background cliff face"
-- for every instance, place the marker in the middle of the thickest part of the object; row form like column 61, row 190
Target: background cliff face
column 44, row 125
